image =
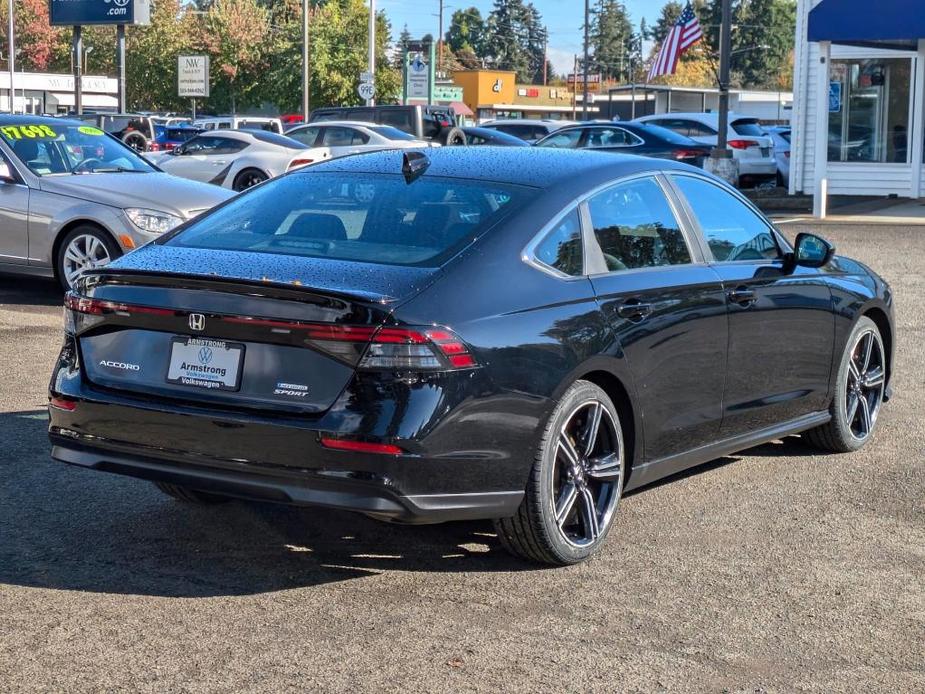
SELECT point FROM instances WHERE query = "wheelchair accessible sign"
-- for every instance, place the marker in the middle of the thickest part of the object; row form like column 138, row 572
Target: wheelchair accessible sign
column 834, row 97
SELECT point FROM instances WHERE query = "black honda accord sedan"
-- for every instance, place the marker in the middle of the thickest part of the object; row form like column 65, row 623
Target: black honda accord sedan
column 506, row 333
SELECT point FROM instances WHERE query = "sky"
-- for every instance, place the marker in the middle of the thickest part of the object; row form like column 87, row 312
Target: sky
column 564, row 19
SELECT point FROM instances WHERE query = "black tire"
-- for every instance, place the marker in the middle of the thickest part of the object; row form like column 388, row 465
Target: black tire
column 840, row 435
column 190, row 496
column 136, row 141
column 62, row 271
column 248, row 178
column 534, row 533
column 452, row 137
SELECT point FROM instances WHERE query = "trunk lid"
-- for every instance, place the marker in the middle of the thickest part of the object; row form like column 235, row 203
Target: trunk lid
column 234, row 329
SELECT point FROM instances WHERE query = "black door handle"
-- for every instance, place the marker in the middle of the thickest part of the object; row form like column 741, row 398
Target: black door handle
column 634, row 310
column 742, row 296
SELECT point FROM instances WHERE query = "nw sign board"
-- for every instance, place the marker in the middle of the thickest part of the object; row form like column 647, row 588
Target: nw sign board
column 81, row 12
column 193, row 76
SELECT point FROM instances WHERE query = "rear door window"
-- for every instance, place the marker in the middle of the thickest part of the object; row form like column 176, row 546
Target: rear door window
column 340, row 136
column 307, row 136
column 561, row 249
column 373, row 218
column 564, row 139
column 635, row 227
column 610, row 137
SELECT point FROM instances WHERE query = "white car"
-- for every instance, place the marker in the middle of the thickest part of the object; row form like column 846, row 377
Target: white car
column 238, row 159
column 750, row 145
column 344, row 137
column 528, row 129
column 274, row 125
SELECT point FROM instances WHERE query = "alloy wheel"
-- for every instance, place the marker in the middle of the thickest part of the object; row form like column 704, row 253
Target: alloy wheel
column 587, row 474
column 248, row 180
column 84, row 252
column 866, row 380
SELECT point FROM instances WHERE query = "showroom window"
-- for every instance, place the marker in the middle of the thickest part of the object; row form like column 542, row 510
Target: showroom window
column 869, row 103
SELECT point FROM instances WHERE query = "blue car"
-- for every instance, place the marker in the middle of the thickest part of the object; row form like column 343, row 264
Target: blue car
column 169, row 137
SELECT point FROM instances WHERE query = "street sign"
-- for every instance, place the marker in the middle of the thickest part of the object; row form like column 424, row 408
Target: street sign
column 418, row 77
column 193, row 76
column 366, row 91
column 82, row 12
column 834, row 97
column 367, row 77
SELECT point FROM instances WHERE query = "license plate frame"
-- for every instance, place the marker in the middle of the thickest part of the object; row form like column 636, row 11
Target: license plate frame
column 765, row 152
column 205, row 376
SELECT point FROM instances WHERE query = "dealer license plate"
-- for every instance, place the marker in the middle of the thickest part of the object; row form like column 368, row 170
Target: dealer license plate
column 204, row 363
column 765, row 151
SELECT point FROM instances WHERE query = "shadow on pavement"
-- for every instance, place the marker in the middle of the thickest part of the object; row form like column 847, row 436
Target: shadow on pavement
column 71, row 529
column 30, row 291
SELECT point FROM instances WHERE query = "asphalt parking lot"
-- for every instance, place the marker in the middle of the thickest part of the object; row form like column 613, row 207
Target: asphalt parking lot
column 776, row 570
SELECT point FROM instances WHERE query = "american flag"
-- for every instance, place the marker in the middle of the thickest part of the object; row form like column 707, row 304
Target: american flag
column 684, row 34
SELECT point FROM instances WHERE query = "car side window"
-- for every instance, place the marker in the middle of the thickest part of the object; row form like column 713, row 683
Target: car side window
column 732, row 229
column 564, row 139
column 610, row 137
column 336, row 136
column 225, row 145
column 306, row 136
column 636, row 228
column 561, row 248
column 696, row 129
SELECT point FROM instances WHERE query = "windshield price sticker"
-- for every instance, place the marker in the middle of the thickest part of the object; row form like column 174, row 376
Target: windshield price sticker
column 89, row 130
column 18, row 132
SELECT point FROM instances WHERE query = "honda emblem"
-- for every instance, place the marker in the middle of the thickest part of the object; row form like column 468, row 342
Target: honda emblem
column 197, row 322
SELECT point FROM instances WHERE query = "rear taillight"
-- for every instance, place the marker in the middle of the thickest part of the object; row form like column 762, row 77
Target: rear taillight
column 62, row 404
column 81, row 313
column 154, row 147
column 355, row 446
column 296, row 163
column 742, row 144
column 689, row 154
column 402, row 349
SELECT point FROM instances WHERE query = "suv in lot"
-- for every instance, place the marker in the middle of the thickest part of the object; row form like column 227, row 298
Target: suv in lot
column 527, row 129
column 434, row 123
column 134, row 129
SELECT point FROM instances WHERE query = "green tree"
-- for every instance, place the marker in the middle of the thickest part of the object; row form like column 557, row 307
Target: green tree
column 466, row 31
column 668, row 17
column 236, row 32
column 337, row 56
column 612, row 40
column 516, row 39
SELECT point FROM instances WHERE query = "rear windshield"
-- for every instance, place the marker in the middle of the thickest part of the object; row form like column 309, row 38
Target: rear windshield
column 360, row 217
column 391, row 133
column 748, row 127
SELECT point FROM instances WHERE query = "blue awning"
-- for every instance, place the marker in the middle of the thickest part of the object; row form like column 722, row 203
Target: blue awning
column 882, row 23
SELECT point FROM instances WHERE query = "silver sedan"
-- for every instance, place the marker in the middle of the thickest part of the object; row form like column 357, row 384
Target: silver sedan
column 73, row 198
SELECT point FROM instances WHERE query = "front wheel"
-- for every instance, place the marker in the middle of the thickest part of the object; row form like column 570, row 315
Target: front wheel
column 84, row 248
column 575, row 484
column 858, row 392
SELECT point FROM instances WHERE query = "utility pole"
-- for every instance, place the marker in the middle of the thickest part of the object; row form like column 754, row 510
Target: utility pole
column 584, row 102
column 545, row 56
column 12, row 47
column 440, row 41
column 575, row 87
column 372, row 46
column 78, row 69
column 305, row 74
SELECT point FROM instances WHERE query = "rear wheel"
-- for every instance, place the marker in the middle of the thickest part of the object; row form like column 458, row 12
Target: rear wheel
column 136, row 141
column 575, row 484
column 858, row 392
column 190, row 496
column 84, row 248
column 248, row 179
column 452, row 136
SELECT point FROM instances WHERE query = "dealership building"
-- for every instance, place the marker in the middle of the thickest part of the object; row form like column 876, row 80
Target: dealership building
column 40, row 92
column 859, row 99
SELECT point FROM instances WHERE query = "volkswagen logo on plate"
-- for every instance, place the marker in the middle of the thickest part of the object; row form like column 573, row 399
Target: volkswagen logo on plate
column 205, row 355
column 197, row 321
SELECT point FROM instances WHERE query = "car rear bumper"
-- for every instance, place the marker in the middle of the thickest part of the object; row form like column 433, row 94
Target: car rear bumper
column 757, row 167
column 370, row 494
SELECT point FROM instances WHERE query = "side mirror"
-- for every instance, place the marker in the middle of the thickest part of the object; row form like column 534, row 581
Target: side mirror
column 6, row 175
column 810, row 250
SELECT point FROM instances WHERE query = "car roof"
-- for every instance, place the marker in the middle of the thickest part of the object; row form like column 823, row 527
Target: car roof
column 351, row 123
column 528, row 166
column 525, row 121
column 711, row 118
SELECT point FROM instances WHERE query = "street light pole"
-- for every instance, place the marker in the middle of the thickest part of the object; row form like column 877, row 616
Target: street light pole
column 725, row 46
column 584, row 98
column 305, row 73
column 372, row 46
column 12, row 43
